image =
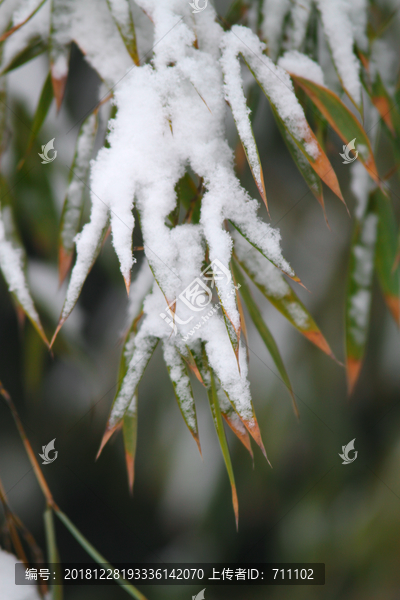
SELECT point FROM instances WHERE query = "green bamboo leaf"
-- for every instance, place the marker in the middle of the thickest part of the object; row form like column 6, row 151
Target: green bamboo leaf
column 45, row 100
column 342, row 120
column 233, row 420
column 310, row 176
column 97, row 557
column 359, row 289
column 210, row 383
column 386, row 249
column 12, row 259
column 275, row 288
column 319, row 163
column 138, row 352
column 263, row 330
column 73, row 203
column 122, row 15
column 182, row 387
column 35, row 47
column 129, row 429
column 52, row 554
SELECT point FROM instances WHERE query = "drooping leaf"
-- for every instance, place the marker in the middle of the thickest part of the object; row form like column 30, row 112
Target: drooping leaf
column 263, row 330
column 182, row 388
column 52, row 554
column 359, row 289
column 139, row 350
column 35, row 47
column 129, row 429
column 233, row 420
column 59, row 50
column 45, row 100
column 12, row 267
column 310, row 176
column 386, row 249
column 97, row 557
column 7, row 34
column 73, row 203
column 275, row 288
column 210, row 383
column 386, row 106
column 342, row 120
column 122, row 15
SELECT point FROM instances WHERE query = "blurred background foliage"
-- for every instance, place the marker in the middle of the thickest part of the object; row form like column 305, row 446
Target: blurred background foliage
column 309, row 507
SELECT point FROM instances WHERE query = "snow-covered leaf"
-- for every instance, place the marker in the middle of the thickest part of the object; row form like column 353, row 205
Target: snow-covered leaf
column 12, row 267
column 233, row 420
column 17, row 26
column 274, row 287
column 122, row 16
column 359, row 289
column 263, row 330
column 182, row 388
column 73, row 203
column 342, row 120
column 59, row 47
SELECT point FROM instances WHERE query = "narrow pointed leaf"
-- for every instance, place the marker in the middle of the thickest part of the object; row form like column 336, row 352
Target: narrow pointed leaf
column 359, row 290
column 386, row 249
column 264, row 332
column 7, row 34
column 129, row 429
column 122, row 15
column 45, row 100
column 12, row 267
column 342, row 120
column 309, row 174
column 233, row 420
column 97, row 557
column 386, row 106
column 219, row 428
column 52, row 554
column 182, row 388
column 275, row 288
column 35, row 47
column 139, row 349
column 73, row 203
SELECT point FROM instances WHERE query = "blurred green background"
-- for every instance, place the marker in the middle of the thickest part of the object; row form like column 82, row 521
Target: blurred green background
column 308, row 507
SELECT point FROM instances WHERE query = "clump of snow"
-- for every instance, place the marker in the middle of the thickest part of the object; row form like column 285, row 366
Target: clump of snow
column 299, row 18
column 299, row 64
column 361, row 185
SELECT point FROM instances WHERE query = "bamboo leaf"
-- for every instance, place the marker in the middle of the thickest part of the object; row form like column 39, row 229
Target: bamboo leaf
column 45, row 100
column 12, row 266
column 52, row 554
column 319, row 161
column 274, row 287
column 233, row 420
column 385, row 105
column 97, row 557
column 122, row 15
column 386, row 250
column 342, row 120
column 359, row 290
column 35, row 47
column 129, row 429
column 309, row 174
column 7, row 34
column 182, row 388
column 138, row 352
column 264, row 332
column 73, row 203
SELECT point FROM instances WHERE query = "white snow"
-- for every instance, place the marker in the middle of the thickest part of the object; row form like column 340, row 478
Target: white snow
column 361, row 185
column 299, row 64
column 299, row 18
column 339, row 31
column 8, row 589
column 274, row 12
